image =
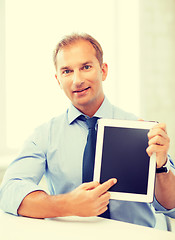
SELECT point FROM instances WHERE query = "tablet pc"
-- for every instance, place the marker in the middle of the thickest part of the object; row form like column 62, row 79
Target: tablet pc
column 121, row 153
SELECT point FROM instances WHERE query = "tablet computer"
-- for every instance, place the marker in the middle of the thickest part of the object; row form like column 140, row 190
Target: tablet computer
column 121, row 153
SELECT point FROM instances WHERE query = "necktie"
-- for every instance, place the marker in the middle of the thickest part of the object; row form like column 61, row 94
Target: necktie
column 89, row 151
column 89, row 155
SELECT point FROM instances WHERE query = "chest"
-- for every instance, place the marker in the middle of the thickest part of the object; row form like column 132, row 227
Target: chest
column 65, row 154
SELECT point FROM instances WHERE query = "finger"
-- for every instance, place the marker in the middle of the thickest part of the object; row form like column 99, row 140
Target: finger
column 158, row 140
column 102, row 188
column 161, row 126
column 102, row 210
column 89, row 185
column 161, row 154
column 105, row 197
column 157, row 131
column 103, row 204
column 156, row 149
column 103, row 200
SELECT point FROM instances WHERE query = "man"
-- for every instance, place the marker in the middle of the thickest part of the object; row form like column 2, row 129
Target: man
column 56, row 150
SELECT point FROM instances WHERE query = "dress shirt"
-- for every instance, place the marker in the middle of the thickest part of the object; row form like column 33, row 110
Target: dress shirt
column 56, row 150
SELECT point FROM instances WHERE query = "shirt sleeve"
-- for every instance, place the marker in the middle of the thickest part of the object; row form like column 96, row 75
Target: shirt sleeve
column 158, row 207
column 24, row 173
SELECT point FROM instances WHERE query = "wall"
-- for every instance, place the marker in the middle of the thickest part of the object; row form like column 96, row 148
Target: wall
column 157, row 59
column 2, row 77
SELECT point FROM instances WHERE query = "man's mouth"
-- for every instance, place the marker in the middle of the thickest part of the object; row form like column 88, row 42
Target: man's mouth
column 81, row 90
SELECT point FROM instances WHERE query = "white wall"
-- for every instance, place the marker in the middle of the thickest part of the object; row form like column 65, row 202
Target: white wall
column 138, row 44
column 157, row 22
column 2, row 78
column 32, row 30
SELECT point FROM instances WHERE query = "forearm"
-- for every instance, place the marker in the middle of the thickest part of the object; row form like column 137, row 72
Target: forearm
column 39, row 204
column 165, row 189
column 89, row 199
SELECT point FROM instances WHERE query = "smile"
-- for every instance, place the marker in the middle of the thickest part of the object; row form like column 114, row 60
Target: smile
column 81, row 90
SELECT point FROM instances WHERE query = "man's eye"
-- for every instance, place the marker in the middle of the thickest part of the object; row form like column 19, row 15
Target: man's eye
column 87, row 67
column 66, row 71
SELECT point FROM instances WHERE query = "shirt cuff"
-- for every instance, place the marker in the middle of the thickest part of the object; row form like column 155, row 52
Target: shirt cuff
column 15, row 192
column 160, row 209
column 170, row 164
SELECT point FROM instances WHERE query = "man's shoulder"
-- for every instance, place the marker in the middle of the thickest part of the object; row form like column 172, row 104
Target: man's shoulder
column 43, row 132
column 56, row 121
column 121, row 114
column 50, row 125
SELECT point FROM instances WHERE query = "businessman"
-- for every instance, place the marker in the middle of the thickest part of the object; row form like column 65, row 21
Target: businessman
column 57, row 150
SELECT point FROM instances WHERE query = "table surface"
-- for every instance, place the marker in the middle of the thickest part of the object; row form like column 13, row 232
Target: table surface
column 13, row 227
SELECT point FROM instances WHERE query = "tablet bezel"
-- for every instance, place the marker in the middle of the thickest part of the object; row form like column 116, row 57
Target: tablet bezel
column 152, row 163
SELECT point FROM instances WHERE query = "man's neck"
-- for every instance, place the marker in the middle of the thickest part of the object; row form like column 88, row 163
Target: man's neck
column 90, row 110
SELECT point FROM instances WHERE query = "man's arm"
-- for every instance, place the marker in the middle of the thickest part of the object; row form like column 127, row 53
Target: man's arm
column 89, row 199
column 165, row 189
column 165, row 182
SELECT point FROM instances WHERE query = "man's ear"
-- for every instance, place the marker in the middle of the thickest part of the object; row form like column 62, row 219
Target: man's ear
column 58, row 81
column 104, row 69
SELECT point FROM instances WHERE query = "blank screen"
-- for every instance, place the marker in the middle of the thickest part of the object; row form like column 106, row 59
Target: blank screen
column 124, row 157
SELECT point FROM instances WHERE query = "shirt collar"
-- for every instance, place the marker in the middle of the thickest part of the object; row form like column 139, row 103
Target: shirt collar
column 105, row 111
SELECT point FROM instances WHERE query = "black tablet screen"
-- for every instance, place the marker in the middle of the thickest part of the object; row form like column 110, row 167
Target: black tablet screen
column 124, row 157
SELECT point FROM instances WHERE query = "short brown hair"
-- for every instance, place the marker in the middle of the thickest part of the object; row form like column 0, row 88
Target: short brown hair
column 69, row 39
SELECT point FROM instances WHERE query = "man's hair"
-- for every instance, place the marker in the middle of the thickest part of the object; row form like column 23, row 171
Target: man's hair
column 69, row 39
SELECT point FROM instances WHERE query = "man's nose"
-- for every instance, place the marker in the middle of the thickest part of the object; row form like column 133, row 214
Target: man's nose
column 77, row 78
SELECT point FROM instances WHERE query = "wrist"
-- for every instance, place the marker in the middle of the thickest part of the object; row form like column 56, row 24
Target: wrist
column 164, row 169
column 62, row 205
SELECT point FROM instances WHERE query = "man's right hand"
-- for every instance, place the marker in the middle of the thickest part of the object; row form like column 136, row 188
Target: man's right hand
column 90, row 199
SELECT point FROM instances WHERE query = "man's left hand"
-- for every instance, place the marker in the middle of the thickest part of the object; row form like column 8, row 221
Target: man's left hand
column 158, row 142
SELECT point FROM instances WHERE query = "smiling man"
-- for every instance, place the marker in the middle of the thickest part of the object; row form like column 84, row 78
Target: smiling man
column 56, row 150
column 80, row 75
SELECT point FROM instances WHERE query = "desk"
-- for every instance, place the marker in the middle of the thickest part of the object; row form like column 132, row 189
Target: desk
column 67, row 228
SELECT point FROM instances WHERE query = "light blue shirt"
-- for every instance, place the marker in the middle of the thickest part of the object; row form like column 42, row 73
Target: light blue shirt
column 56, row 150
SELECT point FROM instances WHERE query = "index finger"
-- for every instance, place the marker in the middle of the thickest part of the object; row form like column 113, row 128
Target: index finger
column 102, row 188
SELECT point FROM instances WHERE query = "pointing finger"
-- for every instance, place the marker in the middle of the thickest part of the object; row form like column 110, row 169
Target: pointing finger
column 89, row 185
column 101, row 189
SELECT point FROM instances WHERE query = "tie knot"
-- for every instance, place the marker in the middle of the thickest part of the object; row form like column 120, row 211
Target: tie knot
column 91, row 122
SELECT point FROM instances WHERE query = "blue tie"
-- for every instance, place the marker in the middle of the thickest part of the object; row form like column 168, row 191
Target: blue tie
column 89, row 151
column 89, row 155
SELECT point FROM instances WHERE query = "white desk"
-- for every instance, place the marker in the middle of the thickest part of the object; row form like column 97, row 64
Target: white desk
column 20, row 228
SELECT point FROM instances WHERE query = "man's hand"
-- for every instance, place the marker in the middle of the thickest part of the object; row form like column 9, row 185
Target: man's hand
column 90, row 199
column 158, row 143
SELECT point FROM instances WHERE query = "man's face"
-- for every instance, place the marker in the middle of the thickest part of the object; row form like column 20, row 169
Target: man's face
column 80, row 76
